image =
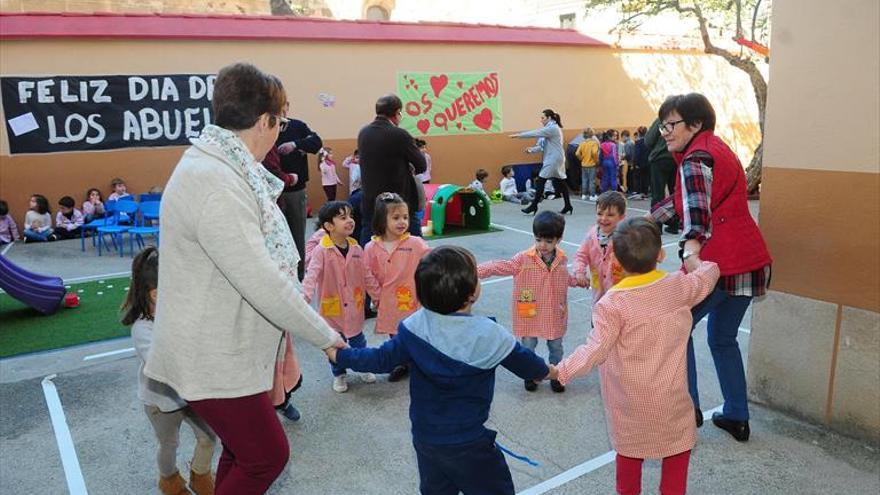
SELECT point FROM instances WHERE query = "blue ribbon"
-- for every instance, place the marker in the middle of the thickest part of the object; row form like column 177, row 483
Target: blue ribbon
column 516, row 456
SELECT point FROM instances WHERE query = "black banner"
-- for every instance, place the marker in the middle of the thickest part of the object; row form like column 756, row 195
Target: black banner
column 78, row 113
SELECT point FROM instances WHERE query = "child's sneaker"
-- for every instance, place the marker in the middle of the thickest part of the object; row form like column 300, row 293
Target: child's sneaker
column 530, row 385
column 291, row 412
column 368, row 378
column 173, row 485
column 583, row 197
column 201, row 484
column 339, row 384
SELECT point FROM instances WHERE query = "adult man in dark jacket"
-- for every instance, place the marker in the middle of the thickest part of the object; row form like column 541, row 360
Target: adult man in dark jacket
column 293, row 146
column 662, row 169
column 389, row 157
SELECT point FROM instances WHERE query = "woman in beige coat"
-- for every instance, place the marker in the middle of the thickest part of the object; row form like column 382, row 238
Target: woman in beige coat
column 228, row 289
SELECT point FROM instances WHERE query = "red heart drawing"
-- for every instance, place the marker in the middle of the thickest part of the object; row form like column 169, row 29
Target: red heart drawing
column 458, row 124
column 483, row 120
column 460, row 84
column 423, row 125
column 438, row 83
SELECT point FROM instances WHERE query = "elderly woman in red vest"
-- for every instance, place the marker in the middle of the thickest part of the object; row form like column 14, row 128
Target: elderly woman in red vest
column 711, row 199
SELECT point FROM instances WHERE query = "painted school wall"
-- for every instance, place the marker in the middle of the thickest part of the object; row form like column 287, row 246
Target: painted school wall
column 588, row 85
column 815, row 341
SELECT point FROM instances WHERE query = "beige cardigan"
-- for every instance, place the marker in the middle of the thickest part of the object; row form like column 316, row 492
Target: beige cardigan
column 222, row 300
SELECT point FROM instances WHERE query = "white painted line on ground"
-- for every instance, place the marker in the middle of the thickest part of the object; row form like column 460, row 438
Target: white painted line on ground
column 109, row 353
column 670, row 244
column 496, row 280
column 593, row 202
column 7, row 248
column 744, row 330
column 586, row 468
column 96, row 277
column 76, row 485
column 581, row 299
column 507, row 227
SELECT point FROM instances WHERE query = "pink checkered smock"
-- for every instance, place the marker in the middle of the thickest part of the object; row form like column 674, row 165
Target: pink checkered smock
column 639, row 341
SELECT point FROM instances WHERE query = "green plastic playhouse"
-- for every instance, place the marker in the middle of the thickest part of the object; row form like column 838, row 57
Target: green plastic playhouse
column 448, row 205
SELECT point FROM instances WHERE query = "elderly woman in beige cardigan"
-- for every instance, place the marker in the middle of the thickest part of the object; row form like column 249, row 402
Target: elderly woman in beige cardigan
column 228, row 292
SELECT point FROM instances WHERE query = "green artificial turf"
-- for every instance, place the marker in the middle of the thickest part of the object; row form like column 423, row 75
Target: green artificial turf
column 24, row 330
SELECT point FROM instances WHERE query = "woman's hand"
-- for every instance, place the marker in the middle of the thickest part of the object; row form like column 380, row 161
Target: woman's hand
column 331, row 353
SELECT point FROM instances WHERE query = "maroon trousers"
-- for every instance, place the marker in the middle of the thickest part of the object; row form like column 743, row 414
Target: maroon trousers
column 255, row 448
column 673, row 474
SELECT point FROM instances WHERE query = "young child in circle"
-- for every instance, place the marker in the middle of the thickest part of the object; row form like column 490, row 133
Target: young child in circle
column 120, row 190
column 93, row 207
column 453, row 355
column 337, row 276
column 508, row 188
column 596, row 252
column 68, row 220
column 163, row 407
column 8, row 227
column 479, row 177
column 540, row 290
column 639, row 341
column 38, row 220
column 392, row 257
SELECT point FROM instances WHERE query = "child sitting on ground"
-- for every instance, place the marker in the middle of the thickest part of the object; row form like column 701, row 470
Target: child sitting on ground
column 540, row 289
column 453, row 356
column 163, row 407
column 68, row 220
column 392, row 257
column 120, row 190
column 508, row 188
column 38, row 220
column 596, row 252
column 336, row 274
column 639, row 341
column 477, row 184
column 8, row 228
column 93, row 207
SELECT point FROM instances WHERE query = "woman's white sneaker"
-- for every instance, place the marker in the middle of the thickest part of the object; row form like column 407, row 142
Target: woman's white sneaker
column 368, row 378
column 339, row 384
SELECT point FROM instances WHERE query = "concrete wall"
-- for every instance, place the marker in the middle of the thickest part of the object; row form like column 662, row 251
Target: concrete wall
column 815, row 342
column 587, row 85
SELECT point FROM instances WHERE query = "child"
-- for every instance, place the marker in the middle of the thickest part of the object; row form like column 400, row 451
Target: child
column 454, row 356
column 329, row 178
column 68, row 220
column 312, row 243
column 120, row 190
column 38, row 220
column 337, row 276
column 641, row 333
column 424, row 177
column 8, row 228
column 391, row 257
column 164, row 408
column 610, row 160
column 93, row 207
column 596, row 252
column 508, row 188
column 355, row 195
column 588, row 154
column 540, row 289
column 477, row 184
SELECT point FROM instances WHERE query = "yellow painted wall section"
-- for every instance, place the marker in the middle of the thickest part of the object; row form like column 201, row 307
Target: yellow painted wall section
column 823, row 111
column 588, row 86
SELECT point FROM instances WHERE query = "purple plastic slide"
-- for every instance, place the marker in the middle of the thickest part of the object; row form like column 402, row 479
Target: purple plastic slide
column 40, row 292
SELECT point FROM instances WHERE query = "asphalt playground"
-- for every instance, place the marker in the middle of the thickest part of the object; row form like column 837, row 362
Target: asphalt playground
column 84, row 431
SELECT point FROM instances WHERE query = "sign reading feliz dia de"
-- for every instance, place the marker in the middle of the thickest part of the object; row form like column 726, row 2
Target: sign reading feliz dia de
column 440, row 104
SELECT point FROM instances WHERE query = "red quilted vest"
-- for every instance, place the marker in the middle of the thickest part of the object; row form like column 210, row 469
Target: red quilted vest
column 736, row 243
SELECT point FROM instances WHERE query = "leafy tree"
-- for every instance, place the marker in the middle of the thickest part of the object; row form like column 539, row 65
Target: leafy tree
column 746, row 20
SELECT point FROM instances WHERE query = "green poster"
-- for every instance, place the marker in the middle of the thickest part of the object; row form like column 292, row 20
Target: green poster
column 441, row 104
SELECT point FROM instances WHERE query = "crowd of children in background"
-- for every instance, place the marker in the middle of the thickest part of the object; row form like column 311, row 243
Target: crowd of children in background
column 40, row 226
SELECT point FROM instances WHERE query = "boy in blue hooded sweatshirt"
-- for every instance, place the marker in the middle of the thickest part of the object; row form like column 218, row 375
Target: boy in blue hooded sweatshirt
column 453, row 356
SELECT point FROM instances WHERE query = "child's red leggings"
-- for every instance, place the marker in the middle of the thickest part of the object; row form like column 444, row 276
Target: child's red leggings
column 673, row 477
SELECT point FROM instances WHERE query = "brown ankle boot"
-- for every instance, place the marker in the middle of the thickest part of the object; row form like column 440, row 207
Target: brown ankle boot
column 173, row 485
column 201, row 484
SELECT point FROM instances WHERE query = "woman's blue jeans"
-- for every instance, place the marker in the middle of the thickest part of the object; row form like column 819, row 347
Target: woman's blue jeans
column 725, row 315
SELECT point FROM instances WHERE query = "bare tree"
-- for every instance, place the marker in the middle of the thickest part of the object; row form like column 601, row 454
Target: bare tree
column 712, row 15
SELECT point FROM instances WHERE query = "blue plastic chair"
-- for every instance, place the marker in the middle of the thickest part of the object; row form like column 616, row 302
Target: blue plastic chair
column 109, row 219
column 149, row 211
column 115, row 230
column 143, row 198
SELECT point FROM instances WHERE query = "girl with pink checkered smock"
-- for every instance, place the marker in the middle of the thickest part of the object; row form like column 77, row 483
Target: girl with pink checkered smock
column 639, row 342
column 596, row 253
column 392, row 257
column 540, row 289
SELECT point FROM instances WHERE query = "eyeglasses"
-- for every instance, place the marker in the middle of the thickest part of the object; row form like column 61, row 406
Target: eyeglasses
column 668, row 127
column 283, row 122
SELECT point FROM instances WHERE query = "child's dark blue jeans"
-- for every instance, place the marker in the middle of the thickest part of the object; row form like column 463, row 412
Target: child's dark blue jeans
column 356, row 342
column 475, row 468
